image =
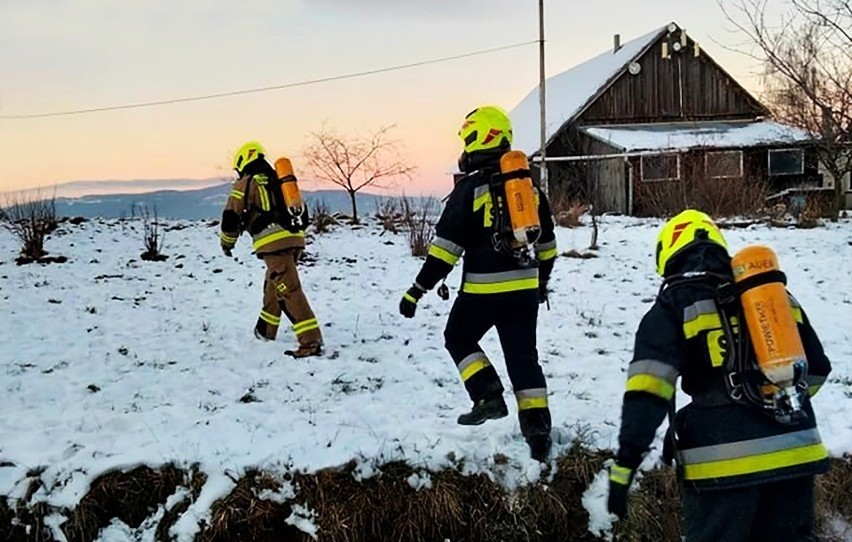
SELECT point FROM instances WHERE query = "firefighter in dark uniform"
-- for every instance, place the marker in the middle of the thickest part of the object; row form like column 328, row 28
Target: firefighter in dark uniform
column 745, row 475
column 496, row 290
column 256, row 205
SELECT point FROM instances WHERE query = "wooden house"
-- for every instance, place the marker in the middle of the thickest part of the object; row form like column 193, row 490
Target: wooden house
column 655, row 125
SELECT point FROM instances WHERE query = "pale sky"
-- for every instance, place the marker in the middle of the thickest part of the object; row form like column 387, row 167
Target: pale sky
column 58, row 55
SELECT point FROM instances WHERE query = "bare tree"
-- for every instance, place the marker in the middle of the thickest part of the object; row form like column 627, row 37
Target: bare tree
column 808, row 73
column 356, row 162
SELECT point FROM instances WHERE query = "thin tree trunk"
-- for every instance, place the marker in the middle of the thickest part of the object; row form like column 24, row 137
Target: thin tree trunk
column 839, row 199
column 354, row 207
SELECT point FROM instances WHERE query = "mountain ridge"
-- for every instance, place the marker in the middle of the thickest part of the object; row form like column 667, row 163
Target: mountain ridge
column 199, row 204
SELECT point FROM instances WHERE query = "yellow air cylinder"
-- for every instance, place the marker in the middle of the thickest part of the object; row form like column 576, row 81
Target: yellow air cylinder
column 289, row 187
column 520, row 197
column 768, row 315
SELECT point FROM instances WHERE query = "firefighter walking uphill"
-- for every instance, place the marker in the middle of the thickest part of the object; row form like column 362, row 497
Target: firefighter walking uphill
column 500, row 222
column 747, row 445
column 265, row 202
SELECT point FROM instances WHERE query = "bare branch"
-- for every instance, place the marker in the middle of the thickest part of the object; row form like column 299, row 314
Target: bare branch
column 808, row 73
column 354, row 163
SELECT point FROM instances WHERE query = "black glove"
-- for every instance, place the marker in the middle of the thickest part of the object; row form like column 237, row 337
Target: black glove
column 226, row 250
column 408, row 304
column 619, row 483
column 542, row 292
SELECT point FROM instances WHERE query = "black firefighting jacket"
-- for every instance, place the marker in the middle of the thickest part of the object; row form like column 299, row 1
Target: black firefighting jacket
column 465, row 228
column 720, row 444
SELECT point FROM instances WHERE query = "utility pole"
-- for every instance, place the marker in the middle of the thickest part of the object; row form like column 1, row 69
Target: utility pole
column 541, row 98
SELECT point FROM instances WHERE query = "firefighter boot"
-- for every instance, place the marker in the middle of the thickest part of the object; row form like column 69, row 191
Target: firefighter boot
column 539, row 447
column 487, row 408
column 305, row 351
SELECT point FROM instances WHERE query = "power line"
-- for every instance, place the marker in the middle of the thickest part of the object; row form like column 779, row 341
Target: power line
column 266, row 89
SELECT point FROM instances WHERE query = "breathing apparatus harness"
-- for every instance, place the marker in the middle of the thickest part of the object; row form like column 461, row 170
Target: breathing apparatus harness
column 745, row 382
column 515, row 224
column 278, row 212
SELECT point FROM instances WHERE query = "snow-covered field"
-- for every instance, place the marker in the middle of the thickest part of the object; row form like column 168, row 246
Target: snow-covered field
column 108, row 361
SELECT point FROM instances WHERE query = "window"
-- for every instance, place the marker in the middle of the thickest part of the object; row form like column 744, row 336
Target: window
column 727, row 164
column 661, row 167
column 786, row 162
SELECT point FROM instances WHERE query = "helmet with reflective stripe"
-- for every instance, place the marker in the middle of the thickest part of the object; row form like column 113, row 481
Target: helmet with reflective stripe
column 486, row 127
column 686, row 229
column 247, row 154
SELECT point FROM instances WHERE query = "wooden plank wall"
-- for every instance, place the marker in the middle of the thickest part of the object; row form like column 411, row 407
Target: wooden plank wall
column 679, row 87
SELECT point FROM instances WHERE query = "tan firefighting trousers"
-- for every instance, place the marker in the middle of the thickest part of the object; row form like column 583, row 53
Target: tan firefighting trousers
column 282, row 292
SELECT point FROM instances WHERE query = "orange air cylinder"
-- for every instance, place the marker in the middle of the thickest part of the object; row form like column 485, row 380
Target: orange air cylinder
column 289, row 188
column 520, row 197
column 769, row 316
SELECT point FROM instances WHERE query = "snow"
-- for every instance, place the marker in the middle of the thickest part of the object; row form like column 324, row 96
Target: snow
column 691, row 135
column 302, row 518
column 594, row 501
column 569, row 91
column 110, row 363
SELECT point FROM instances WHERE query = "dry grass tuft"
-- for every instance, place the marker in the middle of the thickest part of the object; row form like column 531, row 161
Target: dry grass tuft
column 455, row 507
column 130, row 496
column 22, row 523
column 555, row 512
column 195, row 481
column 243, row 515
column 655, row 509
column 833, row 494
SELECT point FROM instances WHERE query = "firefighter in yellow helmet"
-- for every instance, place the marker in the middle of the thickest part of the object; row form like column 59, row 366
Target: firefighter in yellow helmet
column 497, row 290
column 256, row 205
column 746, row 475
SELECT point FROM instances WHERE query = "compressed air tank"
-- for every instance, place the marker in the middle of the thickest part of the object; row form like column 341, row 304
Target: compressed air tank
column 289, row 187
column 768, row 315
column 520, row 197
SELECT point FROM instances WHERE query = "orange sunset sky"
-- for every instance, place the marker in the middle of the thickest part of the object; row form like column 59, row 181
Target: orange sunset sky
column 59, row 55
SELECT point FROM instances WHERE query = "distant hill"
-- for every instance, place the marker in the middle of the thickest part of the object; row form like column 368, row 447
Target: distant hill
column 195, row 204
column 77, row 189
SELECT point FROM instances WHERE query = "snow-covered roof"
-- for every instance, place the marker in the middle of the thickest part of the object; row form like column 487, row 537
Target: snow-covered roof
column 570, row 91
column 691, row 135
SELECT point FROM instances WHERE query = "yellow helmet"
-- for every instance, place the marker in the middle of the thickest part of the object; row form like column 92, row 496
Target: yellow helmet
column 486, row 127
column 247, row 154
column 686, row 229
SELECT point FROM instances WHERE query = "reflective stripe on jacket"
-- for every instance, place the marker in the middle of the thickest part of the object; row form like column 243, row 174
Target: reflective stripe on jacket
column 753, row 456
column 500, row 282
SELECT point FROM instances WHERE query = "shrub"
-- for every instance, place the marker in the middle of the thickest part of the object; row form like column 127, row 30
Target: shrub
column 419, row 220
column 390, row 214
column 716, row 197
column 323, row 220
column 152, row 236
column 31, row 218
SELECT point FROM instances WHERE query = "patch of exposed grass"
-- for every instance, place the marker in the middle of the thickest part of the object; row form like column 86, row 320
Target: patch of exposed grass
column 399, row 502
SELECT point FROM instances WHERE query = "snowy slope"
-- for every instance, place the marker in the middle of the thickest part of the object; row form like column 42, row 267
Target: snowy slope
column 108, row 361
